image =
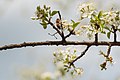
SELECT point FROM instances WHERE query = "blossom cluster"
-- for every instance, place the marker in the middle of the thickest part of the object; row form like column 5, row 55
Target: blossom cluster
column 107, row 59
column 86, row 10
column 99, row 21
column 65, row 57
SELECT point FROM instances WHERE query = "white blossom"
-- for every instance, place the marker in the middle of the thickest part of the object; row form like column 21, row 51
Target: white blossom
column 47, row 76
column 66, row 24
column 77, row 32
column 86, row 7
column 112, row 18
column 90, row 35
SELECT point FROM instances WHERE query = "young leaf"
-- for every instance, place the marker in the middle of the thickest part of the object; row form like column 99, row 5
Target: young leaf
column 50, row 13
column 108, row 34
column 33, row 18
column 118, row 30
column 38, row 8
column 107, row 28
column 44, row 6
column 92, row 21
column 73, row 21
column 75, row 24
column 54, row 12
column 44, row 24
column 103, row 32
column 100, row 14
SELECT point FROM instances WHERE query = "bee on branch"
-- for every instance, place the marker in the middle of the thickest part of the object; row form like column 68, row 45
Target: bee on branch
column 58, row 23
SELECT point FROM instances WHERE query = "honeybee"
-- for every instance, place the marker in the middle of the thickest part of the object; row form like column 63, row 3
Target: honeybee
column 58, row 23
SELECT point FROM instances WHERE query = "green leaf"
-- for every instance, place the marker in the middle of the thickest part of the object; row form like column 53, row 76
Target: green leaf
column 100, row 14
column 73, row 21
column 54, row 12
column 46, row 14
column 50, row 13
column 44, row 24
column 92, row 21
column 44, row 6
column 107, row 28
column 75, row 24
column 108, row 34
column 38, row 8
column 103, row 32
column 118, row 30
column 33, row 18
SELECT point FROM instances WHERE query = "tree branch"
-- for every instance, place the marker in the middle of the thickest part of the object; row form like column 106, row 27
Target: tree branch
column 109, row 49
column 63, row 36
column 59, row 15
column 70, row 33
column 82, row 54
column 114, row 32
column 96, row 37
column 25, row 44
column 55, row 28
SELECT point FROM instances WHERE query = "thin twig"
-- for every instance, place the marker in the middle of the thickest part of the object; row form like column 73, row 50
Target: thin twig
column 96, row 35
column 109, row 49
column 63, row 36
column 59, row 15
column 81, row 55
column 53, row 35
column 114, row 32
column 70, row 33
column 55, row 28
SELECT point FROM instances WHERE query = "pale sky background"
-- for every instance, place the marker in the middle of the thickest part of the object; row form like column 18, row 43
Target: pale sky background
column 17, row 27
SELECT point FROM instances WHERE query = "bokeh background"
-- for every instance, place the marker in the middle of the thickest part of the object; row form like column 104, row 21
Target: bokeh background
column 16, row 26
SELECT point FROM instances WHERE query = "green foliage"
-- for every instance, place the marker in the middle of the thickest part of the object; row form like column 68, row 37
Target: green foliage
column 100, row 21
column 100, row 14
column 44, row 24
column 43, row 15
column 53, row 13
column 108, row 34
column 75, row 24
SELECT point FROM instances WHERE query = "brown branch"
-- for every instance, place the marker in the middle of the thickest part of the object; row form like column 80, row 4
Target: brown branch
column 55, row 28
column 59, row 15
column 81, row 55
column 109, row 49
column 70, row 33
column 63, row 36
column 96, row 37
column 114, row 32
column 25, row 44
